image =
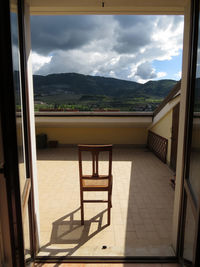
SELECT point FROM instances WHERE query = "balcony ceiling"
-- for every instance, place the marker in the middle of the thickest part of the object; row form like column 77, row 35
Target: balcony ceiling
column 56, row 7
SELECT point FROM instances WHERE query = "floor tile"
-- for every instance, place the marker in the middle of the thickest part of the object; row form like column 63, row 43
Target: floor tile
column 141, row 217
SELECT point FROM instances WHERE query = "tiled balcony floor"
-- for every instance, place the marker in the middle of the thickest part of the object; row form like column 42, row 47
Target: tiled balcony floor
column 141, row 216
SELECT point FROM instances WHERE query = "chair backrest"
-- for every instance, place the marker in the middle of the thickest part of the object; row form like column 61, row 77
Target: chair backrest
column 95, row 150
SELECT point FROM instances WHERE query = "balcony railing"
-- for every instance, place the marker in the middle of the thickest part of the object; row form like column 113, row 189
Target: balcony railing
column 158, row 145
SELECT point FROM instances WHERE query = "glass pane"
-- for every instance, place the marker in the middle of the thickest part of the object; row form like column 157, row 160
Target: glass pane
column 19, row 119
column 189, row 234
column 194, row 177
column 18, row 93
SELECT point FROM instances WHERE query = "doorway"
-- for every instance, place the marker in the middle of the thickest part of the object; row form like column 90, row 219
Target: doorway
column 15, row 162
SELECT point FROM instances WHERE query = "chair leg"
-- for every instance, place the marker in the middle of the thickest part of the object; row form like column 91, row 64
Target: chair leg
column 82, row 209
column 109, row 207
column 111, row 196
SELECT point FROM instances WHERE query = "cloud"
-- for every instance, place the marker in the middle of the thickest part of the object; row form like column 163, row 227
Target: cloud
column 161, row 74
column 178, row 75
column 122, row 46
column 50, row 33
column 15, row 56
column 145, row 71
column 14, row 28
column 133, row 33
column 75, row 61
column 39, row 61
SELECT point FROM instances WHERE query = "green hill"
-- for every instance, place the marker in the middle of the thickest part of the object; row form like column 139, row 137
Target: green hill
column 85, row 92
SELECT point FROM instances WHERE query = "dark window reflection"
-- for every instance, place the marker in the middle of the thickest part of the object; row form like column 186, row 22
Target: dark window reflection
column 189, row 236
column 194, row 173
column 19, row 117
column 18, row 99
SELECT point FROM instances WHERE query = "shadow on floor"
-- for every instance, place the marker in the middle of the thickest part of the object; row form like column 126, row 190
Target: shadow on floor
column 67, row 230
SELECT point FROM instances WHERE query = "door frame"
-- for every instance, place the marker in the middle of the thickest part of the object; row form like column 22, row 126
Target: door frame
column 34, row 242
column 187, row 194
column 15, row 203
column 5, row 237
column 8, row 126
column 11, row 142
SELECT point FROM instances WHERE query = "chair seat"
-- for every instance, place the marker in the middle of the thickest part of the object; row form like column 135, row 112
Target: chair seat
column 95, row 183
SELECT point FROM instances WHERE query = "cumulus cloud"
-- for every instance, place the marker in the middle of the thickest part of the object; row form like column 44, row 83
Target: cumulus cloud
column 132, row 33
column 145, row 71
column 15, row 55
column 161, row 74
column 39, row 61
column 115, row 46
column 50, row 33
column 178, row 75
column 14, row 28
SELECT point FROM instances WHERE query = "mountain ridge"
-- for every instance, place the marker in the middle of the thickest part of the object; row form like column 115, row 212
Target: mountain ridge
column 88, row 84
column 74, row 91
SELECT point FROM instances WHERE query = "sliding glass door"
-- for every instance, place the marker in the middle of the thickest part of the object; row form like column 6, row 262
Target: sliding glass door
column 191, row 194
column 15, row 132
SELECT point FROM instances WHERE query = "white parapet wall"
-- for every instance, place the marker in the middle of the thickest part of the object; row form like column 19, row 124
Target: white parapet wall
column 95, row 129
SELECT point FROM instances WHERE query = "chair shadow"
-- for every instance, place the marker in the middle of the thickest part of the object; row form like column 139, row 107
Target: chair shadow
column 67, row 230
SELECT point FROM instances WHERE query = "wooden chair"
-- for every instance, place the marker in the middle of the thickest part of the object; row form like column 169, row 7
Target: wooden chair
column 95, row 182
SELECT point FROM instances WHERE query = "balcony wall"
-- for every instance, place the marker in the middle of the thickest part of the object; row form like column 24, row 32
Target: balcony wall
column 136, row 136
column 103, row 129
column 95, row 129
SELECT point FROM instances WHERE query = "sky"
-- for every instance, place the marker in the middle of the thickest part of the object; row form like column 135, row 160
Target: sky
column 130, row 47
